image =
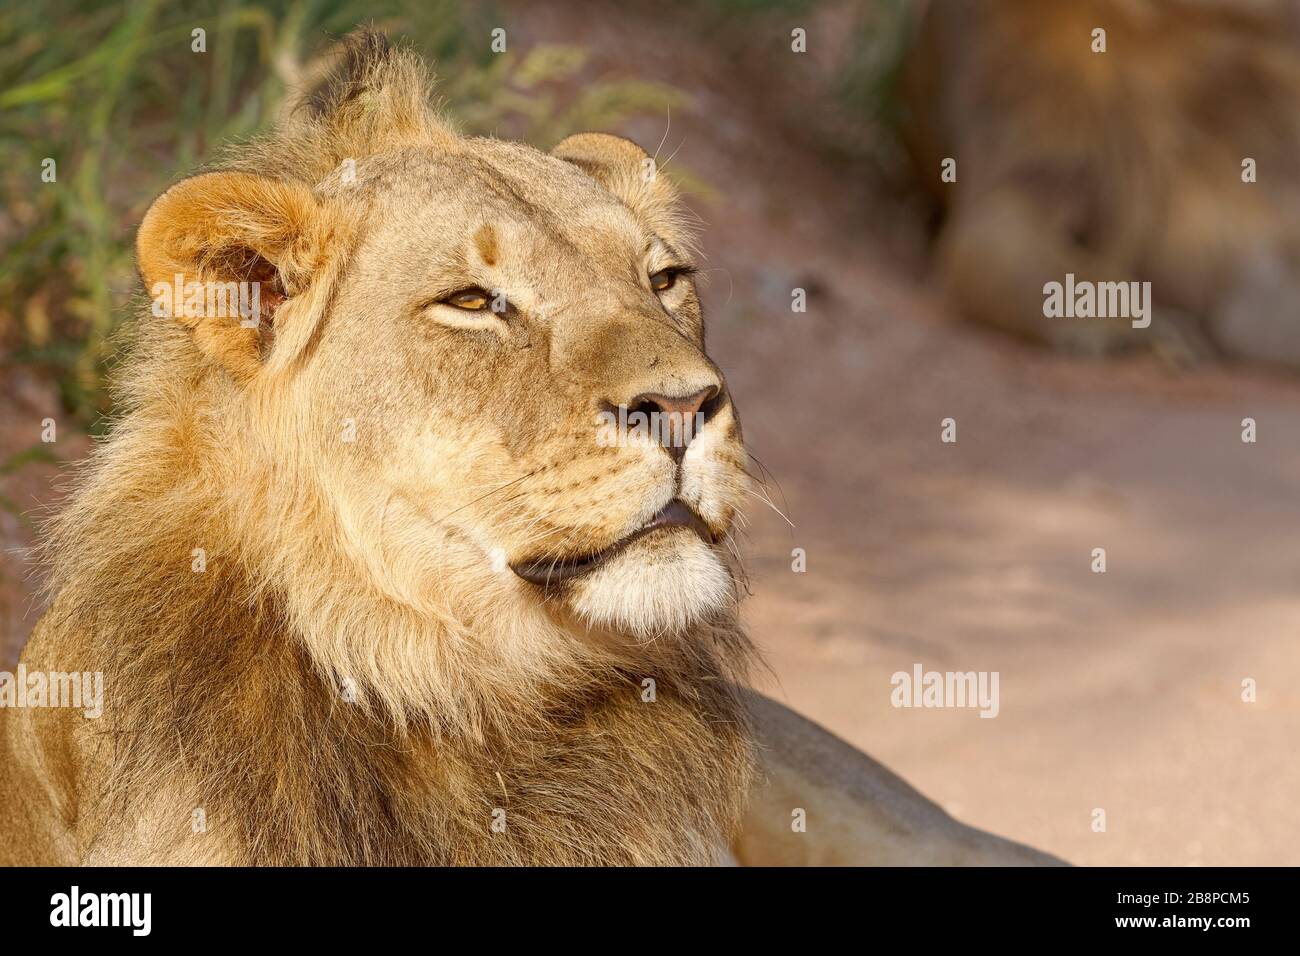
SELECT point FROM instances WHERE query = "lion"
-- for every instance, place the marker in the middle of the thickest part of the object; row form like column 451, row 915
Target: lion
column 366, row 585
column 1115, row 141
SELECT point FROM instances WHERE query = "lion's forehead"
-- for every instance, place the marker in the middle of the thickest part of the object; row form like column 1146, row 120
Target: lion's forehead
column 518, row 186
column 511, row 218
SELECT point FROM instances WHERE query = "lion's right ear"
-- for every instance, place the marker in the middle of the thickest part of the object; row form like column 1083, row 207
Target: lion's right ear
column 222, row 252
column 622, row 167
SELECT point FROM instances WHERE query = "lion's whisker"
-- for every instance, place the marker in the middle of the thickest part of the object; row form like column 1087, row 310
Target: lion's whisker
column 768, row 501
column 488, row 494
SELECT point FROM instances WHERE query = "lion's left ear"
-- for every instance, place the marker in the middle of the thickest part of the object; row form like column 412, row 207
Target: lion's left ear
column 627, row 171
column 235, row 234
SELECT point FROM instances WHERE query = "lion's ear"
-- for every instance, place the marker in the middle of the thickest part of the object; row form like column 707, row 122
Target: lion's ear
column 221, row 252
column 627, row 171
column 366, row 97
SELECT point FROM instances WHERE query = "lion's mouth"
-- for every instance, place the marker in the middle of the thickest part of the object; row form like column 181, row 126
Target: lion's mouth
column 550, row 571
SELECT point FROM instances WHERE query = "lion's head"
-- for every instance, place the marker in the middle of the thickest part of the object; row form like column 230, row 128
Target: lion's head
column 472, row 414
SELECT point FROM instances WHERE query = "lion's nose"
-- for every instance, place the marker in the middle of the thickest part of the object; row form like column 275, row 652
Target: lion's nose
column 675, row 419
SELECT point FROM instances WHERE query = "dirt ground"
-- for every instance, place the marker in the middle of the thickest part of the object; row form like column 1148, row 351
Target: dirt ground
column 1119, row 691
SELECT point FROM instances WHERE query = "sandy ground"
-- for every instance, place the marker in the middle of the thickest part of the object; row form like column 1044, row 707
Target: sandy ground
column 1118, row 691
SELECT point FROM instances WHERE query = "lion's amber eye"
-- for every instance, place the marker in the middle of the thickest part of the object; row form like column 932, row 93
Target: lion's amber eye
column 664, row 279
column 471, row 300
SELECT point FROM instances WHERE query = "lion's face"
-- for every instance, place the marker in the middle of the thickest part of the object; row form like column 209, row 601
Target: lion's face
column 510, row 382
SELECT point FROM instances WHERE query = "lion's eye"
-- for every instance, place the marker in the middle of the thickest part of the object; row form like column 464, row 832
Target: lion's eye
column 471, row 300
column 664, row 279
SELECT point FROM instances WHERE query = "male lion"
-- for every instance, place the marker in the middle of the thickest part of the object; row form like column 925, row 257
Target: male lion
column 364, row 585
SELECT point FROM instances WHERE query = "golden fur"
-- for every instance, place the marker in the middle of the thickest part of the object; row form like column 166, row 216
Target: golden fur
column 292, row 558
column 350, row 680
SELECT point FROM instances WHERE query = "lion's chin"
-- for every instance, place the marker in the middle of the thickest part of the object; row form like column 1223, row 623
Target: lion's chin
column 666, row 582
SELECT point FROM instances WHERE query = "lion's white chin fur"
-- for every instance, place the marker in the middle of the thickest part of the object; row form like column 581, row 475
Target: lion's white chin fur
column 664, row 583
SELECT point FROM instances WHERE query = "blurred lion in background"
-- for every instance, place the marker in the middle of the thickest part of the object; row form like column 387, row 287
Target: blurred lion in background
column 1165, row 149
